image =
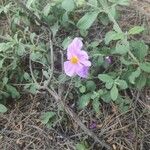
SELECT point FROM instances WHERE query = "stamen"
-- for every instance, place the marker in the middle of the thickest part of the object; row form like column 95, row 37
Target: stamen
column 74, row 60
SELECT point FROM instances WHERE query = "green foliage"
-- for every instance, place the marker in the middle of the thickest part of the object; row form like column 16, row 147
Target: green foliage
column 113, row 36
column 25, row 57
column 114, row 92
column 134, row 75
column 135, row 30
column 68, row 5
column 87, row 20
column 3, row 109
column 81, row 146
column 84, row 100
column 48, row 118
column 145, row 67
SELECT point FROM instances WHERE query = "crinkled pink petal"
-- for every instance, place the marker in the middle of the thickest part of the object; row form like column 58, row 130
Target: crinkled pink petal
column 83, row 55
column 70, row 70
column 83, row 72
column 85, row 62
column 74, row 48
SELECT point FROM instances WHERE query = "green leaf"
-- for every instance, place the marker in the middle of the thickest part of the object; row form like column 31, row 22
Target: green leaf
column 134, row 75
column 96, row 94
column 105, row 78
column 112, row 36
column 20, row 49
column 136, row 30
column 33, row 88
column 1, row 63
column 26, row 76
column 83, row 32
column 87, row 20
column 120, row 2
column 96, row 104
column 114, row 92
column 68, row 5
column 29, row 3
column 47, row 116
column 104, row 19
column 46, row 9
column 79, row 2
column 82, row 89
column 35, row 56
column 123, row 2
column 112, row 11
column 139, row 49
column 84, row 100
column 5, row 80
column 6, row 8
column 94, row 44
column 125, row 62
column 81, row 146
column 93, row 2
column 145, row 67
column 90, row 85
column 66, row 42
column 122, row 84
column 55, row 29
column 5, row 46
column 3, row 109
column 106, row 97
column 13, row 91
column 109, row 84
column 122, row 47
column 140, row 82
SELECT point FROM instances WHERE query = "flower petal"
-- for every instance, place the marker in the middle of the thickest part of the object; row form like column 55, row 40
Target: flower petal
column 83, row 72
column 70, row 69
column 85, row 62
column 74, row 47
column 83, row 55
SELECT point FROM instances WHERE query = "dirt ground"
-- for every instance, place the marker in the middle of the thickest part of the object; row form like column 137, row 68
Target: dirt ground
column 21, row 128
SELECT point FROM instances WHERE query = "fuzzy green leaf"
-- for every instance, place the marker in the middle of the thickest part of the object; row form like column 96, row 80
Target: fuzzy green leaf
column 114, row 93
column 122, row 84
column 47, row 116
column 84, row 100
column 3, row 109
column 68, row 5
column 140, row 82
column 96, row 105
column 112, row 36
column 13, row 91
column 139, row 49
column 87, row 20
column 122, row 48
column 80, row 146
column 134, row 75
column 145, row 67
column 90, row 85
column 93, row 2
column 136, row 30
column 105, row 78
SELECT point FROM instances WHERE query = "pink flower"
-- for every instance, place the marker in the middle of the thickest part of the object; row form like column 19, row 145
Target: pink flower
column 78, row 63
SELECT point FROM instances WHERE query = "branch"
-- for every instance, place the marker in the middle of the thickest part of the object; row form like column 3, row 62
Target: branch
column 70, row 112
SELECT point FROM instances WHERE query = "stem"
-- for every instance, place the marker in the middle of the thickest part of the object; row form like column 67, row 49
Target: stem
column 51, row 60
column 106, row 9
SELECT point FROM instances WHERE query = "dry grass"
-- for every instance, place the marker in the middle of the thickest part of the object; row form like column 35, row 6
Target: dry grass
column 21, row 128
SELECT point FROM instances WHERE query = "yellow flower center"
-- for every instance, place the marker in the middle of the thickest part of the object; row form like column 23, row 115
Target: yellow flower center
column 74, row 60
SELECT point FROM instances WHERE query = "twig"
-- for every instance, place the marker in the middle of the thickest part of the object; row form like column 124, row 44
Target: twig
column 51, row 60
column 53, row 93
column 76, row 119
column 31, row 71
column 31, row 14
